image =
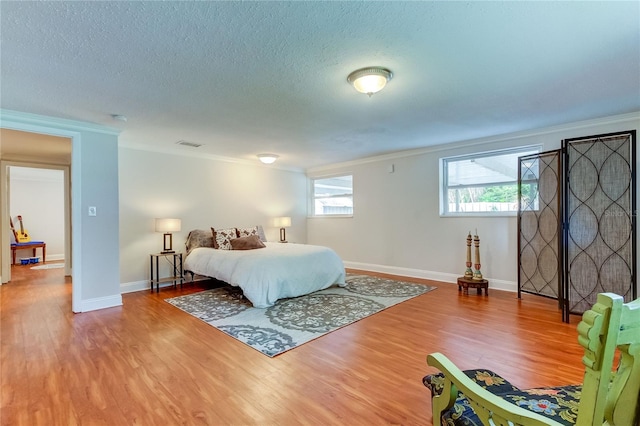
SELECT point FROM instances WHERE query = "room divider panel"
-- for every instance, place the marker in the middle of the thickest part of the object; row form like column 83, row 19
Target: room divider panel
column 600, row 221
column 577, row 223
column 540, row 224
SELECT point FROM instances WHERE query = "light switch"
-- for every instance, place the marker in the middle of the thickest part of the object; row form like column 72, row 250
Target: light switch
column 93, row 211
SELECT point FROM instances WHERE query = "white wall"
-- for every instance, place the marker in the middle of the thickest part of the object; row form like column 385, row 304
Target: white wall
column 98, row 177
column 397, row 228
column 38, row 195
column 203, row 193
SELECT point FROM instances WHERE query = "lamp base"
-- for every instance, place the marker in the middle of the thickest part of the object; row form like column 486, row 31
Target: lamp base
column 283, row 235
column 168, row 244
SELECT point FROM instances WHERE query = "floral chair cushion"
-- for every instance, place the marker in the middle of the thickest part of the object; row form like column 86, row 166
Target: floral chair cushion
column 557, row 403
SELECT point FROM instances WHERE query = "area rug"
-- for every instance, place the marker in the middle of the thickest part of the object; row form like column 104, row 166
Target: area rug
column 49, row 266
column 292, row 322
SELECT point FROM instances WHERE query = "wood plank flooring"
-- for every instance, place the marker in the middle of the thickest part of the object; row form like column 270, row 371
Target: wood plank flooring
column 148, row 363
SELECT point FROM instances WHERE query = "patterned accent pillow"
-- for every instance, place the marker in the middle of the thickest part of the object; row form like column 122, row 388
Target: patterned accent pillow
column 246, row 232
column 222, row 238
column 198, row 238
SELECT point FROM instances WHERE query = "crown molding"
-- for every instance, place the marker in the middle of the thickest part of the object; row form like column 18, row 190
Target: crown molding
column 9, row 118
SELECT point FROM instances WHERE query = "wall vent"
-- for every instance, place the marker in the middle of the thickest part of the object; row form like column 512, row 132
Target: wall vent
column 189, row 144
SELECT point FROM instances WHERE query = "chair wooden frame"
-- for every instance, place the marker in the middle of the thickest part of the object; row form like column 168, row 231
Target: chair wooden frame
column 608, row 397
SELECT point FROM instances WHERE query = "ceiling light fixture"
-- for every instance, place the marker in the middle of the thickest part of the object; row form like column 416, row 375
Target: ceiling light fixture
column 267, row 158
column 369, row 80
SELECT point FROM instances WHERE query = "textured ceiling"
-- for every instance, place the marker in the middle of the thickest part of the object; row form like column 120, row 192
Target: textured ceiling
column 243, row 78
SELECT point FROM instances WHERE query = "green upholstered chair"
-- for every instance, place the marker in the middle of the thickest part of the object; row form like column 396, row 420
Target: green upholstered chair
column 609, row 394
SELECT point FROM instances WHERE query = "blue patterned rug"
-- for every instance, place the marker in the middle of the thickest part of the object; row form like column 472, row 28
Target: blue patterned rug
column 292, row 322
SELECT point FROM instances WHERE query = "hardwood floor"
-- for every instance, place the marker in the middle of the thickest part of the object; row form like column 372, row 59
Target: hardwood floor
column 148, row 363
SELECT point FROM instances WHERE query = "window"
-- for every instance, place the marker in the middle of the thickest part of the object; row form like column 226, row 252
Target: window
column 531, row 167
column 481, row 182
column 333, row 196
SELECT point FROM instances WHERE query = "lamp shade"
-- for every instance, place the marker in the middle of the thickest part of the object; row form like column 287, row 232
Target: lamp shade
column 167, row 225
column 282, row 222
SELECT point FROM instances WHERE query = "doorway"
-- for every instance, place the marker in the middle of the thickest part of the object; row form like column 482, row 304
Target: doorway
column 30, row 156
column 37, row 212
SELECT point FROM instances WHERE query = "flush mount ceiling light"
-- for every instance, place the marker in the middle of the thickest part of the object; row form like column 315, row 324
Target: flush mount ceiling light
column 267, row 158
column 369, row 80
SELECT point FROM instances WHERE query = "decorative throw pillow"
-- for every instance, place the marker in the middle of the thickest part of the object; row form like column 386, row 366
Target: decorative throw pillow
column 222, row 238
column 198, row 238
column 247, row 243
column 245, row 232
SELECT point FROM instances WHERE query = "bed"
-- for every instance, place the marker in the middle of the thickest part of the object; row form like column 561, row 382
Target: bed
column 266, row 274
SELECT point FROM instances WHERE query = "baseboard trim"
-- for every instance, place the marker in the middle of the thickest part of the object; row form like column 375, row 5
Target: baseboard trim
column 384, row 269
column 427, row 275
column 134, row 286
column 100, row 303
column 144, row 285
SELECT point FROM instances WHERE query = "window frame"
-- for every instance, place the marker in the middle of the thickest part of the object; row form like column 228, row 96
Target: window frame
column 444, row 184
column 312, row 197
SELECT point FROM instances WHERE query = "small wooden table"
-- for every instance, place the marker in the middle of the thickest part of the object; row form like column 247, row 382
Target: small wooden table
column 30, row 245
column 466, row 283
column 178, row 271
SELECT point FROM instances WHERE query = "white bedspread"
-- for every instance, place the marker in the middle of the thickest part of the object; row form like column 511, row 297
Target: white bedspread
column 275, row 272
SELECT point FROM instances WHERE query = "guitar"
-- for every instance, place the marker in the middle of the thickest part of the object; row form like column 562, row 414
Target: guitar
column 22, row 236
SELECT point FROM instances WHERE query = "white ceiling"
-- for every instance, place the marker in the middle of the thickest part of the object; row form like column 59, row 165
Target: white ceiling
column 243, row 78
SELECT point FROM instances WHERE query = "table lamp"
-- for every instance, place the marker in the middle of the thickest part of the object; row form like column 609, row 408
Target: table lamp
column 168, row 226
column 282, row 223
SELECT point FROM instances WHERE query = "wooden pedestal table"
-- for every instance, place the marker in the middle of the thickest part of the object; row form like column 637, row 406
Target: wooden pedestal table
column 466, row 283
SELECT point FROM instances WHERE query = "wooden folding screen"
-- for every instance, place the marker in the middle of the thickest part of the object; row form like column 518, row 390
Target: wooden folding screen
column 576, row 221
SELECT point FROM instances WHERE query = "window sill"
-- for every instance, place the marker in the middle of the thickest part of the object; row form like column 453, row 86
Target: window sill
column 479, row 214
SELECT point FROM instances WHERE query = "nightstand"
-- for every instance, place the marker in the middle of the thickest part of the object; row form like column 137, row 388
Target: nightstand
column 175, row 259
